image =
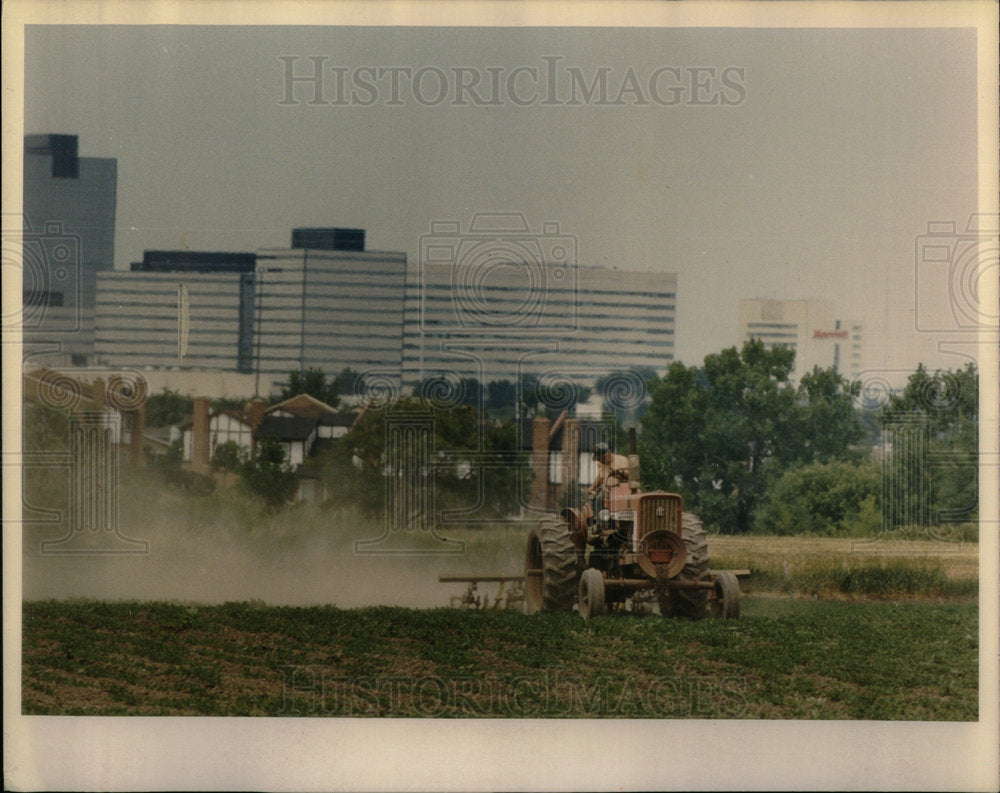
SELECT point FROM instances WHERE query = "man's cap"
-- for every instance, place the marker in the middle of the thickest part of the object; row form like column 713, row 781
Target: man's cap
column 600, row 449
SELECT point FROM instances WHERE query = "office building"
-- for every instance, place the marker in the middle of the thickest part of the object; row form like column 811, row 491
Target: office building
column 331, row 305
column 178, row 309
column 68, row 237
column 810, row 328
column 556, row 321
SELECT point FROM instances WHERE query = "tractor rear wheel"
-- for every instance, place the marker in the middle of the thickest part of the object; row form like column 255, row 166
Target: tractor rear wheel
column 692, row 603
column 592, row 593
column 551, row 568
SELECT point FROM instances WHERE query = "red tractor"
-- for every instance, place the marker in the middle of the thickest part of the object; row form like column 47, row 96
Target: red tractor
column 640, row 549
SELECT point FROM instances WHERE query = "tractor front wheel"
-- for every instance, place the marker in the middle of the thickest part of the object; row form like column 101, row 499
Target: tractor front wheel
column 591, row 593
column 726, row 600
column 551, row 568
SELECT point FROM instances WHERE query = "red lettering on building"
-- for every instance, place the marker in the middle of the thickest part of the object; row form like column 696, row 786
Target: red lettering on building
column 829, row 334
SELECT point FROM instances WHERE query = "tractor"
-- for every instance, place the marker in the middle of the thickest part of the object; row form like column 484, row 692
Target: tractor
column 640, row 549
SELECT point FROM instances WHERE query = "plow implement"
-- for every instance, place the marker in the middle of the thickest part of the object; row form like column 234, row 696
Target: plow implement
column 509, row 594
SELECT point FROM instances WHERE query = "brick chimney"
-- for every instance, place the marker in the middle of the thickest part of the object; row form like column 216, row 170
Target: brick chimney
column 571, row 457
column 200, row 432
column 540, row 463
column 254, row 412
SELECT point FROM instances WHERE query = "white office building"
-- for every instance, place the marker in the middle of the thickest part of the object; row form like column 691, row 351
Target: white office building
column 809, row 327
column 163, row 320
column 557, row 321
column 325, row 302
column 330, row 309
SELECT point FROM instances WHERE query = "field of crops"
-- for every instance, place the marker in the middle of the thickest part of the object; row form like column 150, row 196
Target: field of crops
column 788, row 658
column 282, row 617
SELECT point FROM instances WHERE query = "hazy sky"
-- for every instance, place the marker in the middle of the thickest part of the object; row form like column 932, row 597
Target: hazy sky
column 823, row 160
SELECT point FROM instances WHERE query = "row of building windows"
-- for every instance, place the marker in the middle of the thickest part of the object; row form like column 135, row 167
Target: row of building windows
column 578, row 290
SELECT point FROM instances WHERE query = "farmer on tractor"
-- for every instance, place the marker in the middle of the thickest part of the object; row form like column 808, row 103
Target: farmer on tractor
column 612, row 469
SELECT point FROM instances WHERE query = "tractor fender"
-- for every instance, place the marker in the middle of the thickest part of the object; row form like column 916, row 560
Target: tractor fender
column 577, row 521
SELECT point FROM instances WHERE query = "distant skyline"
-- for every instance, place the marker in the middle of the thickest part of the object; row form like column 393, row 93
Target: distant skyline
column 775, row 163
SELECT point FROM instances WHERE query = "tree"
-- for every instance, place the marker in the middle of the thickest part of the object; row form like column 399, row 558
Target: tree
column 448, row 392
column 625, row 393
column 227, row 457
column 313, row 382
column 472, row 464
column 501, row 395
column 943, row 475
column 173, row 459
column 234, row 404
column 346, row 382
column 720, row 432
column 268, row 475
column 549, row 396
column 832, row 427
column 825, row 498
column 167, row 408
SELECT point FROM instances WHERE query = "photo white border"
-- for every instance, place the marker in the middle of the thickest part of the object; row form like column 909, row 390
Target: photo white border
column 470, row 754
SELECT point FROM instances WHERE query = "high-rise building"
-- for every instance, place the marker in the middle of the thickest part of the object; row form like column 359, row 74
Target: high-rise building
column 178, row 309
column 554, row 320
column 810, row 328
column 330, row 305
column 68, row 237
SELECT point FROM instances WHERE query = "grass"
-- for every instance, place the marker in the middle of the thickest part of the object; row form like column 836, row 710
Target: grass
column 823, row 566
column 786, row 659
column 832, row 567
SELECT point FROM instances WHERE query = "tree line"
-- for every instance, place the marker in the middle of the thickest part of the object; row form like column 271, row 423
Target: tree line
column 750, row 451
column 747, row 448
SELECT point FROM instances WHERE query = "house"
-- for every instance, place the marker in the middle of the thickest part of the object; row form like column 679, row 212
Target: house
column 301, row 424
column 327, row 423
column 117, row 404
column 295, row 434
column 562, row 456
column 223, row 426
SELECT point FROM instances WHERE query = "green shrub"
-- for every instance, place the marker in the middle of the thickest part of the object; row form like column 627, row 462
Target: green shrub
column 827, row 499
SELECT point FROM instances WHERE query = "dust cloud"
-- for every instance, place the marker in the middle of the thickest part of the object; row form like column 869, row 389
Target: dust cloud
column 217, row 549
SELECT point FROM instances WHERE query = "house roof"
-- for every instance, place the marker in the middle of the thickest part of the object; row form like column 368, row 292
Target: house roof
column 45, row 377
column 303, row 406
column 156, row 440
column 285, row 428
column 159, row 434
